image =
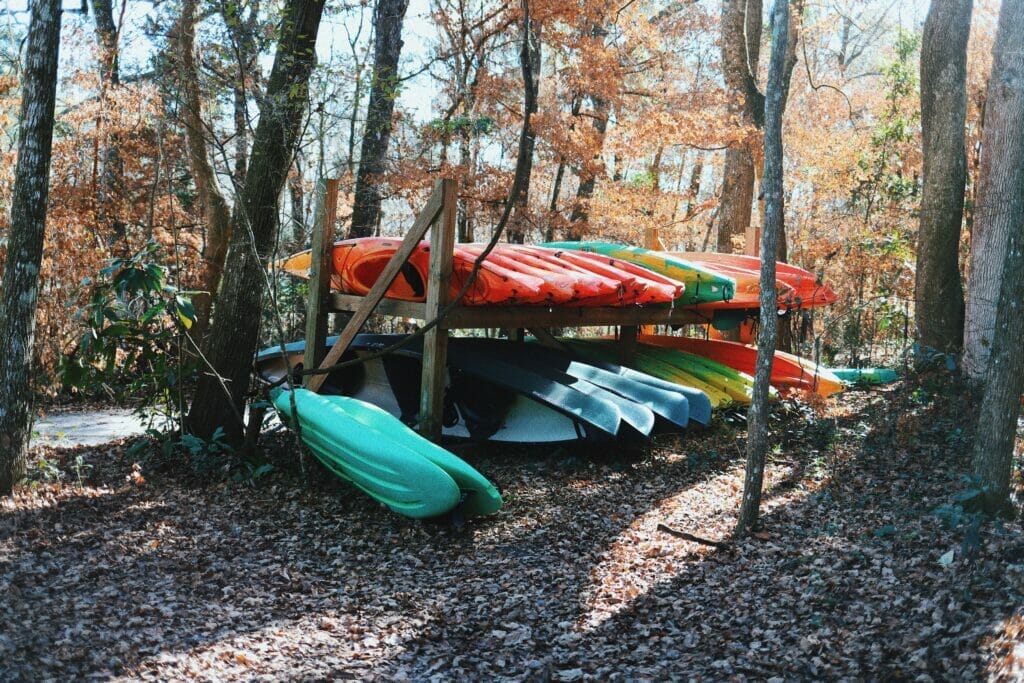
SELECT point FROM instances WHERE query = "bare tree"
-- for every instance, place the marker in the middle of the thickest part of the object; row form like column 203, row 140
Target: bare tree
column 215, row 206
column 107, row 36
column 517, row 226
column 938, row 295
column 235, row 330
column 1001, row 200
column 757, row 421
column 741, row 48
column 19, row 291
column 387, row 24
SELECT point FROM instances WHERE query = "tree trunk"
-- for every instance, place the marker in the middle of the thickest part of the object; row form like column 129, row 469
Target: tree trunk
column 1000, row 199
column 517, row 226
column 19, row 291
column 757, row 420
column 215, row 207
column 938, row 294
column 235, row 330
column 297, row 203
column 741, row 46
column 387, row 23
column 110, row 77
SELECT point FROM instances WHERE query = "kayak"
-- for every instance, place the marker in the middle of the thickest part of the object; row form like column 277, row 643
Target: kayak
column 703, row 285
column 788, row 371
column 808, row 288
column 390, row 470
column 866, row 375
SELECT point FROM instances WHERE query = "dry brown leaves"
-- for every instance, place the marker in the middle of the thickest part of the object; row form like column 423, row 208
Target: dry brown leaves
column 145, row 579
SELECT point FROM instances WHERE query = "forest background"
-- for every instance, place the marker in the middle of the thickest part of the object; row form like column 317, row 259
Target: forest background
column 633, row 129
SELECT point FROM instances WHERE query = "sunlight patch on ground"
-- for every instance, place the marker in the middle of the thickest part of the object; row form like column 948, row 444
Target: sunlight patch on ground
column 48, row 495
column 643, row 557
column 313, row 646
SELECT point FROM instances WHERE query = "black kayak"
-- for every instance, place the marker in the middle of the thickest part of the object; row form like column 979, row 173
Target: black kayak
column 498, row 402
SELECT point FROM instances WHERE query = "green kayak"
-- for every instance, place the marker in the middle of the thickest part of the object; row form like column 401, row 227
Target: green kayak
column 702, row 285
column 865, row 375
column 381, row 456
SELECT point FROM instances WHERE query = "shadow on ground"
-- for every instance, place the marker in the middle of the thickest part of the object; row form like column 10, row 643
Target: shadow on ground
column 572, row 580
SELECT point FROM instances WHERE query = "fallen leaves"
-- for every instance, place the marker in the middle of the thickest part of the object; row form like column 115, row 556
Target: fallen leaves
column 572, row 581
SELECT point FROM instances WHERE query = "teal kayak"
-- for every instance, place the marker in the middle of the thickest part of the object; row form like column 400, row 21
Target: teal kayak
column 865, row 375
column 702, row 284
column 378, row 454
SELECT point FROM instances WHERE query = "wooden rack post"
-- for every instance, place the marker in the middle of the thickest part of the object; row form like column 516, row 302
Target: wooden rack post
column 368, row 303
column 435, row 342
column 320, row 270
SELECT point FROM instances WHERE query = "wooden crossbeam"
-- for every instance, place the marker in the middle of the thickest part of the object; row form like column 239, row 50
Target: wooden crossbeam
column 512, row 317
column 359, row 317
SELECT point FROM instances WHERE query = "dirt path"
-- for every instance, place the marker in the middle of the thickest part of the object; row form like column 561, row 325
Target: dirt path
column 85, row 427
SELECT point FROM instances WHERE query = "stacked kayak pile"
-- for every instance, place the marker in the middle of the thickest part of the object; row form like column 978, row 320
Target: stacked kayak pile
column 509, row 392
column 573, row 274
column 718, row 282
column 510, row 275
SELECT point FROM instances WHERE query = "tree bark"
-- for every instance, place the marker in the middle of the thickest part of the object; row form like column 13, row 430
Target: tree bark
column 387, row 22
column 517, row 226
column 1000, row 199
column 588, row 176
column 215, row 206
column 938, row 294
column 741, row 46
column 19, row 291
column 235, row 329
column 110, row 78
column 757, row 420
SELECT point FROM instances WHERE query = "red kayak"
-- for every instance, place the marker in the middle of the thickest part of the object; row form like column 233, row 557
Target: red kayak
column 809, row 291
column 788, row 371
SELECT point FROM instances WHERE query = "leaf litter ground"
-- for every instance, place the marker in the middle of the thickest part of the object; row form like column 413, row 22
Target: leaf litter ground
column 852, row 576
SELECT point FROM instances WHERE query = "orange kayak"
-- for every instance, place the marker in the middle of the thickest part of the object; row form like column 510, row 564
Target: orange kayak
column 663, row 286
column 809, row 291
column 748, row 284
column 575, row 285
column 358, row 264
column 788, row 371
column 511, row 275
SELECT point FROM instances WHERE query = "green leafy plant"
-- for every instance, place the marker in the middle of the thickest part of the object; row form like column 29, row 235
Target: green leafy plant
column 80, row 466
column 44, row 472
column 133, row 346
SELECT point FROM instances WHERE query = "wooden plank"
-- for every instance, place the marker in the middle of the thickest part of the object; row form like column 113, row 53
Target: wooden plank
column 652, row 240
column 435, row 341
column 469, row 317
column 359, row 316
column 752, row 241
column 320, row 271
